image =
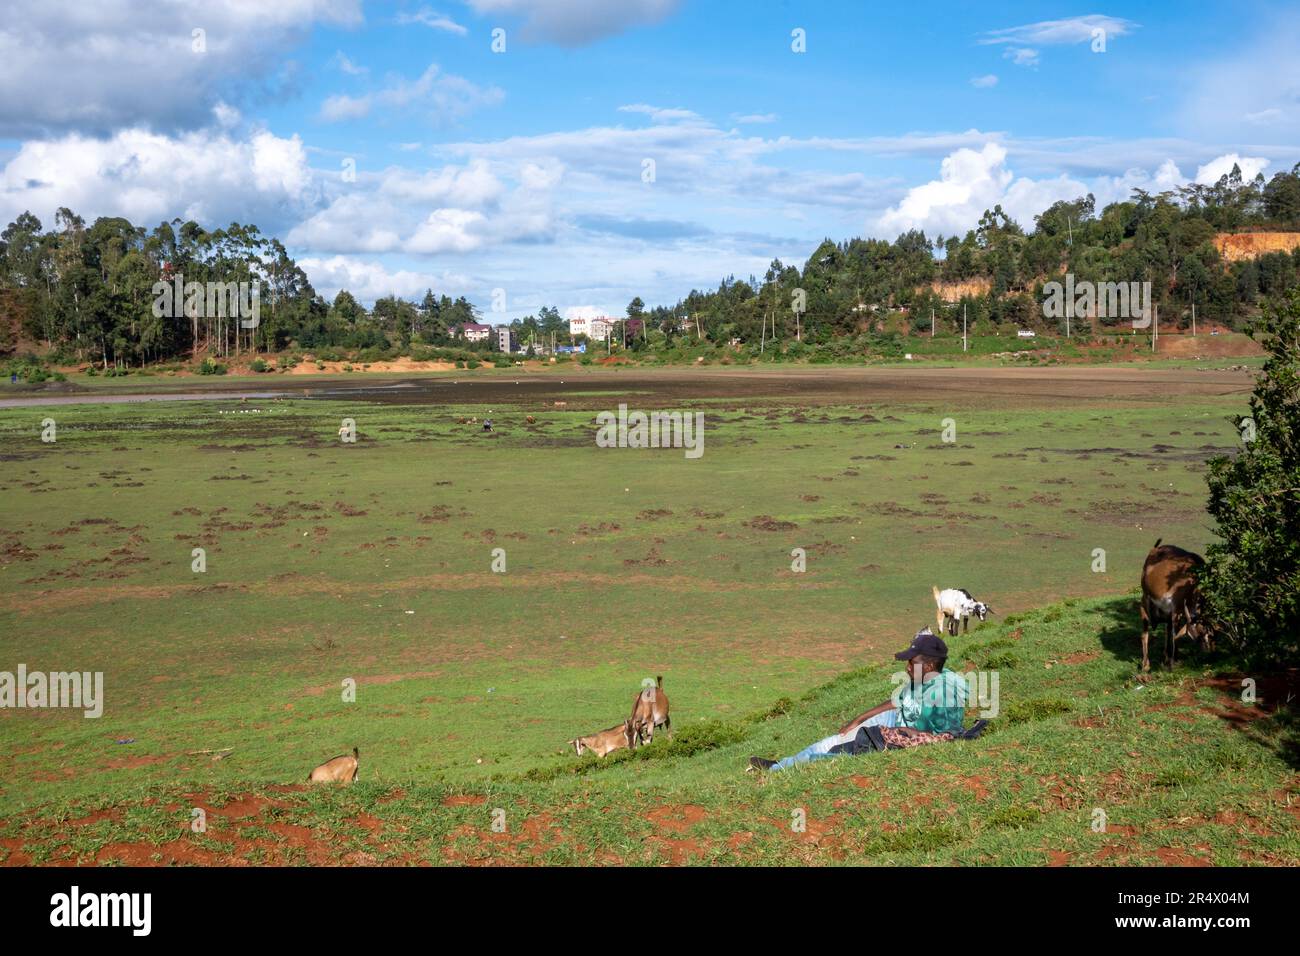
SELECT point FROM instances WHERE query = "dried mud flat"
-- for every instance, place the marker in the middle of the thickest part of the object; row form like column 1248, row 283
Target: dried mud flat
column 583, row 388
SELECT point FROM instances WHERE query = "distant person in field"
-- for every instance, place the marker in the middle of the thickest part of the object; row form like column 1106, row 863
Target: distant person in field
column 932, row 701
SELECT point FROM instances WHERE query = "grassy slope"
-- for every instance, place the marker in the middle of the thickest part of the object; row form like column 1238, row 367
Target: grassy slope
column 1184, row 774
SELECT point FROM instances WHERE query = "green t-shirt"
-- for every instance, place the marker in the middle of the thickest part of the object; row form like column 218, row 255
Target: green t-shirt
column 938, row 706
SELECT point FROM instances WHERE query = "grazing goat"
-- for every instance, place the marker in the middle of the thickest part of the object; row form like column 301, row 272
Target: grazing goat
column 955, row 606
column 650, row 710
column 342, row 769
column 607, row 741
column 1171, row 596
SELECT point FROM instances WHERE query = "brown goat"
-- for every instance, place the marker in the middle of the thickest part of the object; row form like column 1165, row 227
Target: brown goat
column 607, row 741
column 342, row 769
column 650, row 710
column 1171, row 596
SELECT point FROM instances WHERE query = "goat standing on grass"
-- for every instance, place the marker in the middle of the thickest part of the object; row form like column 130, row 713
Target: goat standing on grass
column 955, row 606
column 1171, row 596
column 650, row 710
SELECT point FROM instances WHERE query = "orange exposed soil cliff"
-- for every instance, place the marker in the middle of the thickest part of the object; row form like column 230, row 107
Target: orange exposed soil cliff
column 1247, row 245
column 953, row 291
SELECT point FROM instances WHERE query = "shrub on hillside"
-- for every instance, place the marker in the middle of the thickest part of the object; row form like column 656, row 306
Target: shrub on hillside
column 206, row 367
column 1253, row 579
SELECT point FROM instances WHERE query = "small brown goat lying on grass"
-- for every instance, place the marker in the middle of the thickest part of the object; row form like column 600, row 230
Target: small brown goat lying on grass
column 607, row 741
column 650, row 710
column 1171, row 596
column 342, row 769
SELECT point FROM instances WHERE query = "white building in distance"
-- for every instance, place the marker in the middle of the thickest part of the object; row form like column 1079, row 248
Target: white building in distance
column 596, row 328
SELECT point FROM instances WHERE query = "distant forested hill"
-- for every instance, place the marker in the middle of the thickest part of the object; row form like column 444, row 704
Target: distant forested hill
column 85, row 293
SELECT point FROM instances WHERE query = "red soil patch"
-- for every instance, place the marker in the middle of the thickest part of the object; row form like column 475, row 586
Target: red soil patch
column 96, row 817
column 1083, row 657
column 1170, row 856
column 676, row 819
column 740, row 839
column 132, row 763
column 464, row 800
column 525, row 844
column 679, row 852
column 175, row 853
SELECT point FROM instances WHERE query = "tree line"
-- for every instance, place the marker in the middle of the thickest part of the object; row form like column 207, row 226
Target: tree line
column 86, row 293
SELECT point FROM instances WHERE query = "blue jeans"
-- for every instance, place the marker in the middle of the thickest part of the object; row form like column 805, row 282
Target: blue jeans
column 821, row 749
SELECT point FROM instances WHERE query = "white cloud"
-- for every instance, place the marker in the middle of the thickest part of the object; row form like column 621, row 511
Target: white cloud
column 984, row 82
column 368, row 281
column 453, row 210
column 1021, row 56
column 1056, row 32
column 473, row 185
column 443, row 96
column 95, row 67
column 447, row 230
column 1215, row 169
column 348, row 67
column 1265, row 117
column 661, row 115
column 227, row 116
column 573, row 23
column 433, row 20
column 970, row 182
column 747, row 119
column 147, row 177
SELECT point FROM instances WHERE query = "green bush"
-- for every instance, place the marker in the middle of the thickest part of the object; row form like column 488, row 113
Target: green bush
column 206, row 367
column 257, row 365
column 1037, row 708
column 472, row 364
column 1252, row 583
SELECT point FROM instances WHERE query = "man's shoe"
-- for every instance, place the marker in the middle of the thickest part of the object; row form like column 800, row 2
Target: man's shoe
column 761, row 763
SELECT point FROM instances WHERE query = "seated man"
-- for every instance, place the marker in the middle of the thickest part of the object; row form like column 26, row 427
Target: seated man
column 933, row 701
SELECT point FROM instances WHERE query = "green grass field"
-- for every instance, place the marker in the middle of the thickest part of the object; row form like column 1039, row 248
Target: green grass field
column 373, row 562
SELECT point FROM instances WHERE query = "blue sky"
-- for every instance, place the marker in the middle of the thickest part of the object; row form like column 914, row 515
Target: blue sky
column 393, row 149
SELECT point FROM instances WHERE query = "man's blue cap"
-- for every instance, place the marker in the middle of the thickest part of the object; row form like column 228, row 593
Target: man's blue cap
column 925, row 643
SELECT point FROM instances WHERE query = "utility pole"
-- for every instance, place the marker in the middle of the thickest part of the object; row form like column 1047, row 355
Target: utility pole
column 1193, row 320
column 1155, row 325
column 762, row 340
column 963, row 326
column 931, row 321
